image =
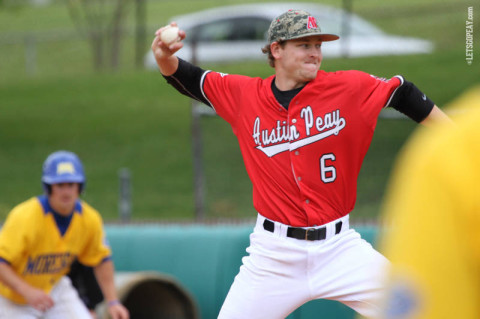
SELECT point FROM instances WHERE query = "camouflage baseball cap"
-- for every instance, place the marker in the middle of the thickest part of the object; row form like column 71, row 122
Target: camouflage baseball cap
column 295, row 24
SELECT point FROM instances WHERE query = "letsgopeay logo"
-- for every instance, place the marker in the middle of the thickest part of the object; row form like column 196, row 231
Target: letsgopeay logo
column 285, row 137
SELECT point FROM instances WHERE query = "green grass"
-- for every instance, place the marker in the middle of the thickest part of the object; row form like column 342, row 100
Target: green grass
column 111, row 121
column 131, row 118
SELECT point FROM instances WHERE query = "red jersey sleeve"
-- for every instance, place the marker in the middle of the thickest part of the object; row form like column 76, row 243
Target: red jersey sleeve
column 375, row 93
column 224, row 92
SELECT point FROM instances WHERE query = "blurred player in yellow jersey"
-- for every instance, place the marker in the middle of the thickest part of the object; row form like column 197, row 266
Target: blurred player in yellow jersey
column 433, row 211
column 41, row 238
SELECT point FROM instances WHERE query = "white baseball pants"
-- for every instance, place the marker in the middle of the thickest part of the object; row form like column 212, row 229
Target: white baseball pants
column 280, row 273
column 67, row 304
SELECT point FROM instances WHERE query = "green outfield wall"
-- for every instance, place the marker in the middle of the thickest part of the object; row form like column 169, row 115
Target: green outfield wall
column 203, row 260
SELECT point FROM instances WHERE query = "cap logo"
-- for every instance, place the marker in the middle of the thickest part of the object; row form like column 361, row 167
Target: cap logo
column 65, row 168
column 312, row 23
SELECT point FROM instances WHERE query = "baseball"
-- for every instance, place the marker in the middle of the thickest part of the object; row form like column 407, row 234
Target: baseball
column 169, row 35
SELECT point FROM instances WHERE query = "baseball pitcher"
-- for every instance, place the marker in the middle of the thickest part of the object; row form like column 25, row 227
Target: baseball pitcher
column 303, row 134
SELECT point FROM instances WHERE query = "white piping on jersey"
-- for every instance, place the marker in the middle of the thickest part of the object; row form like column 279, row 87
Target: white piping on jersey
column 273, row 150
column 393, row 93
column 202, row 79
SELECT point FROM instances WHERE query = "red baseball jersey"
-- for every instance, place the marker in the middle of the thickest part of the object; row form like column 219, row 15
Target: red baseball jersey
column 304, row 161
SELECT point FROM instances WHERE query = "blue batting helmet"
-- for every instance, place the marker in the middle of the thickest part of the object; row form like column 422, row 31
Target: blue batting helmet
column 63, row 167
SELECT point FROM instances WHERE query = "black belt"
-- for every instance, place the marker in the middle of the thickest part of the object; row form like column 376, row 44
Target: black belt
column 302, row 233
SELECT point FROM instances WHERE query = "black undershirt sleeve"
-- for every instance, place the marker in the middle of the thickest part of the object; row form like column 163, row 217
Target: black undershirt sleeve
column 188, row 81
column 409, row 100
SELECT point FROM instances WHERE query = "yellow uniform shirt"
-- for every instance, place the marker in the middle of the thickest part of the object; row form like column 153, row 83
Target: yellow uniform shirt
column 433, row 211
column 40, row 245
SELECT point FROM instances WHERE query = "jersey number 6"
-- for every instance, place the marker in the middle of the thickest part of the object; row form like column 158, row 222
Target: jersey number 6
column 328, row 173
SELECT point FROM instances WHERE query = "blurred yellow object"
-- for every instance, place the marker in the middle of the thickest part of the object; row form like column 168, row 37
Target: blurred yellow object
column 432, row 214
column 468, row 100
